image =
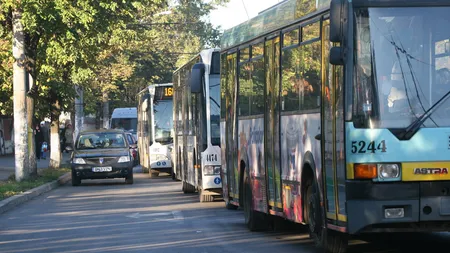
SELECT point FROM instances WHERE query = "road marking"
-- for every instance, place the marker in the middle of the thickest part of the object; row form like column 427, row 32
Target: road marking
column 176, row 216
column 138, row 215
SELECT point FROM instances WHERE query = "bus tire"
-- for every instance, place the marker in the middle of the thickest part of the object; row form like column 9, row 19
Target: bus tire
column 329, row 241
column 174, row 177
column 153, row 174
column 230, row 206
column 187, row 188
column 255, row 221
column 205, row 197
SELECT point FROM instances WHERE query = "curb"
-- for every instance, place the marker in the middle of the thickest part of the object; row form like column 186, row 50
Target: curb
column 12, row 202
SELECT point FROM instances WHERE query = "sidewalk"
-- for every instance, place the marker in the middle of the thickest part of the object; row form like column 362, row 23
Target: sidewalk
column 7, row 166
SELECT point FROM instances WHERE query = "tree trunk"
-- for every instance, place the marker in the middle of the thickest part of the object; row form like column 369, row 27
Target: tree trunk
column 32, row 141
column 55, row 152
column 20, row 105
column 79, row 111
column 105, row 101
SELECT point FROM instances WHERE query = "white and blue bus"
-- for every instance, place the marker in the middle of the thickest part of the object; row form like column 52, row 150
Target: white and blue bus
column 155, row 128
column 197, row 125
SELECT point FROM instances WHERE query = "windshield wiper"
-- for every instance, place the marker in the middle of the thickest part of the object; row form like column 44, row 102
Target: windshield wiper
column 415, row 126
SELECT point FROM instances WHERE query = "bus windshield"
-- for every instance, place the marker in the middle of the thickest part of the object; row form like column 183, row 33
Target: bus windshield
column 162, row 108
column 214, row 93
column 402, row 66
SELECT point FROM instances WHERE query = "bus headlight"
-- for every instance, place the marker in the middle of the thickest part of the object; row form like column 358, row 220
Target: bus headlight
column 210, row 170
column 388, row 171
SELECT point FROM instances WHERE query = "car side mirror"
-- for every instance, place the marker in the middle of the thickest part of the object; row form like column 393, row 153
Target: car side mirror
column 133, row 146
column 69, row 149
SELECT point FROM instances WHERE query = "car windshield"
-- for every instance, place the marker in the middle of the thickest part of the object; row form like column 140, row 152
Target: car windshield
column 402, row 66
column 101, row 141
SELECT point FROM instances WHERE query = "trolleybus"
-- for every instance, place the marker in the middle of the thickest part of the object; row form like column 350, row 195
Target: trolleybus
column 335, row 114
column 155, row 128
column 197, row 131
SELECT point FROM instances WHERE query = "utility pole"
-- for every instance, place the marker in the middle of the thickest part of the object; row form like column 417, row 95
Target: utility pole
column 31, row 138
column 20, row 100
column 79, row 111
column 105, row 100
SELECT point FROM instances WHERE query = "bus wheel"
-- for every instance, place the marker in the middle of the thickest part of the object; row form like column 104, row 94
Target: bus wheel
column 187, row 188
column 230, row 206
column 328, row 240
column 254, row 220
column 174, row 177
column 205, row 197
column 153, row 174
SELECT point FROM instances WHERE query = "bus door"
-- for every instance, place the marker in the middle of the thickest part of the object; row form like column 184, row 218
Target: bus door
column 332, row 135
column 231, row 129
column 272, row 124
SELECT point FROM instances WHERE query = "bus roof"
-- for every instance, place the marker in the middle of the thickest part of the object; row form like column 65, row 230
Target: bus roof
column 123, row 113
column 202, row 54
column 276, row 17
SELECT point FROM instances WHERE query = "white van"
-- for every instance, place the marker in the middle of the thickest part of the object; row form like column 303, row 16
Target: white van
column 124, row 118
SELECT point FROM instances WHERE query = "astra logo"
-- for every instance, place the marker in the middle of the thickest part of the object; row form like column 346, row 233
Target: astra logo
column 425, row 171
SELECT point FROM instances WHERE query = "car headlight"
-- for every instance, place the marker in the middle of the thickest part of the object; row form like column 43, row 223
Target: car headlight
column 124, row 159
column 388, row 171
column 79, row 161
column 211, row 170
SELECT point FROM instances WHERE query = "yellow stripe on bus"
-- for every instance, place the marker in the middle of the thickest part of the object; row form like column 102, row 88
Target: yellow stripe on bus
column 425, row 171
column 417, row 171
column 350, row 171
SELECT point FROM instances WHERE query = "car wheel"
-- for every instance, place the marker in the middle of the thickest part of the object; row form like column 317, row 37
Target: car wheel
column 76, row 181
column 129, row 179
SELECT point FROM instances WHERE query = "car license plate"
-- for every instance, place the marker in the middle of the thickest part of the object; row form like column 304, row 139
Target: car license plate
column 102, row 169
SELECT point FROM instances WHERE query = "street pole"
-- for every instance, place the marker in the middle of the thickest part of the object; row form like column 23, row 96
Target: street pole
column 79, row 111
column 20, row 101
column 105, row 101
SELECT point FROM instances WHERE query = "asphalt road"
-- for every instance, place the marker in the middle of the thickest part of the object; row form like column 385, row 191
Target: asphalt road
column 153, row 215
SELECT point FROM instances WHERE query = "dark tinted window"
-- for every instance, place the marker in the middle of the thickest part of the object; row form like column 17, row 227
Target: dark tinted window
column 215, row 63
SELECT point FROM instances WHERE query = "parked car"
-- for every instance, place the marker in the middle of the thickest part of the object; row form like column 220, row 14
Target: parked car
column 101, row 154
column 133, row 147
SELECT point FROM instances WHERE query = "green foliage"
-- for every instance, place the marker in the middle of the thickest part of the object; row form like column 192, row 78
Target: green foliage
column 112, row 46
column 6, row 62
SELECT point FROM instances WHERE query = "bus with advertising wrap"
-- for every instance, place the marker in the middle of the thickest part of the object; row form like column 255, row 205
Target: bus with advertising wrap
column 196, row 122
column 155, row 128
column 336, row 114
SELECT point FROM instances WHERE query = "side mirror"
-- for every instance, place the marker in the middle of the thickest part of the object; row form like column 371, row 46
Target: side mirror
column 337, row 56
column 133, row 146
column 338, row 20
column 69, row 149
column 197, row 74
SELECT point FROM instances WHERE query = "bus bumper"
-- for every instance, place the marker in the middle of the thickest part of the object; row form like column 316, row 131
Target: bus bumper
column 425, row 205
